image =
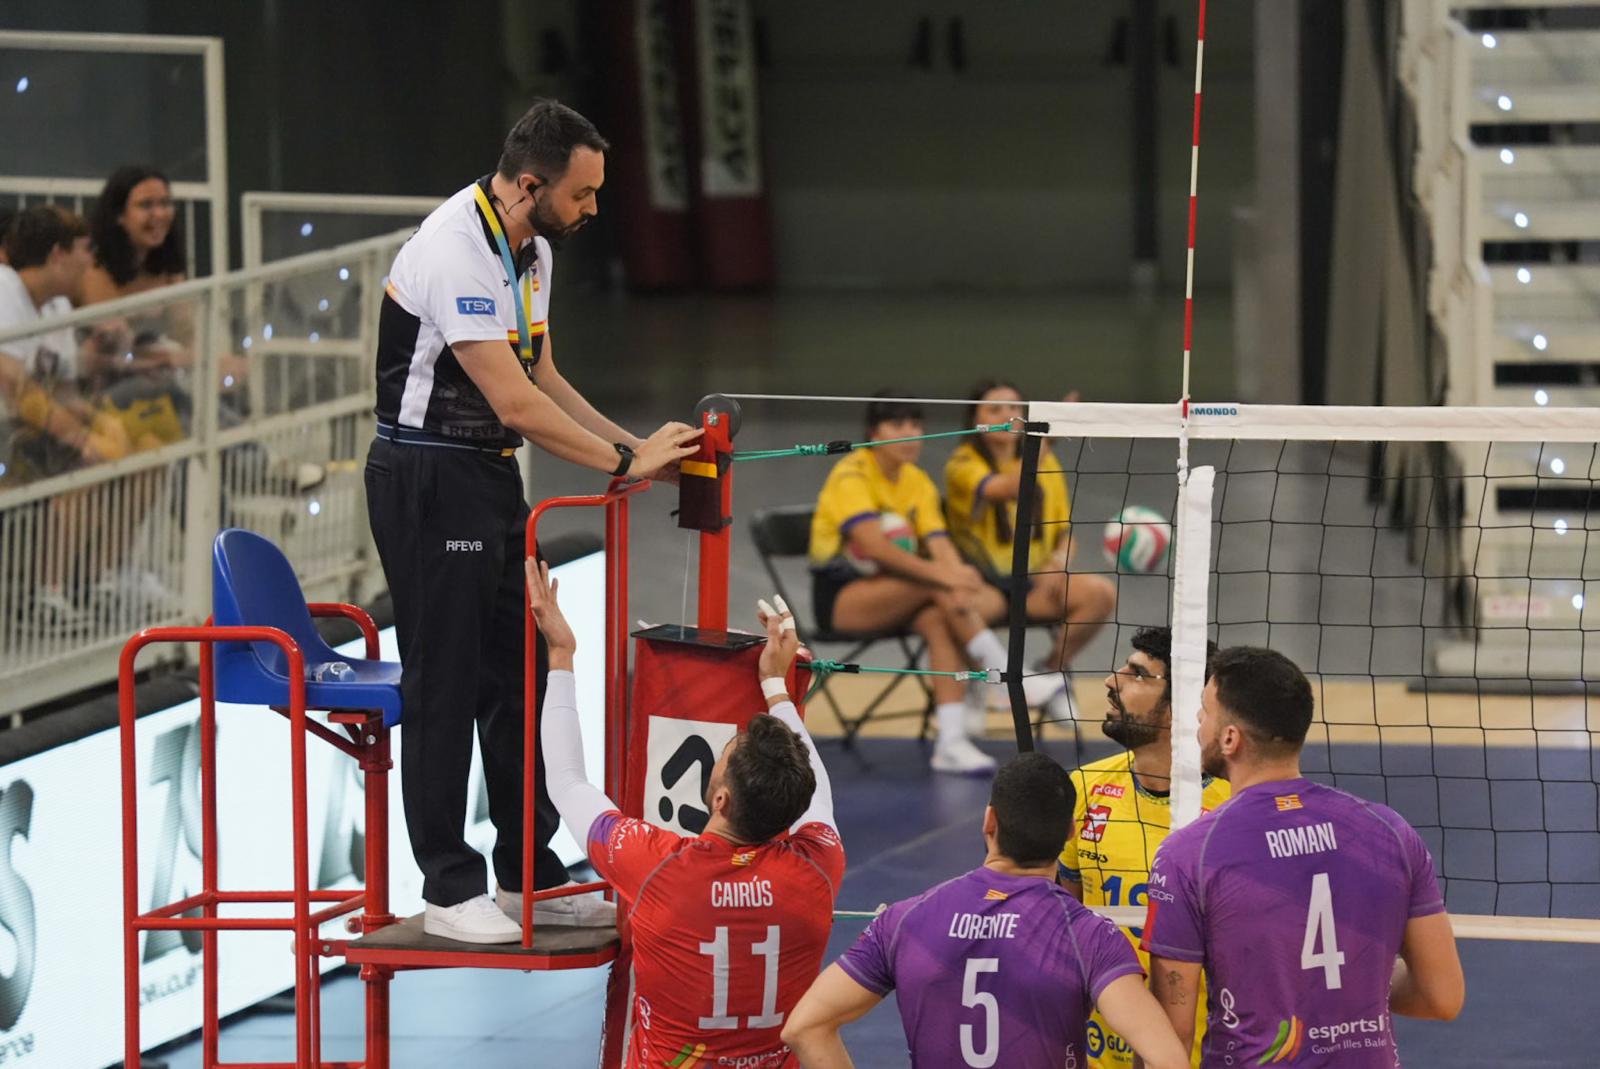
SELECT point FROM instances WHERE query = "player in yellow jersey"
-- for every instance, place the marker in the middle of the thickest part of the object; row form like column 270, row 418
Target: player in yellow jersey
column 981, row 485
column 1123, row 809
column 881, row 560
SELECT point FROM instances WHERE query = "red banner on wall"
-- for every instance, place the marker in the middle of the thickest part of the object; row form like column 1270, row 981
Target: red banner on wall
column 650, row 165
column 722, row 118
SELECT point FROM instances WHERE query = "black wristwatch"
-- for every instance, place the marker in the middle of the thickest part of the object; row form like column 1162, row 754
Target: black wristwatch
column 624, row 458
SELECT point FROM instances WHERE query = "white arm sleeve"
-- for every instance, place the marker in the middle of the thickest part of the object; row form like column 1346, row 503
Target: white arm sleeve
column 820, row 811
column 578, row 801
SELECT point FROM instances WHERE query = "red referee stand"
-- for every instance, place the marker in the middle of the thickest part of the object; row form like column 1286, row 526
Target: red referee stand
column 693, row 688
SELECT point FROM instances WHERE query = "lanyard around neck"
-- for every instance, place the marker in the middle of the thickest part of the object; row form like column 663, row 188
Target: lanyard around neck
column 524, row 338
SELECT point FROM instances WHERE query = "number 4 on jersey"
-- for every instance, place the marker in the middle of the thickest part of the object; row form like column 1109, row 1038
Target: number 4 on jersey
column 1320, row 929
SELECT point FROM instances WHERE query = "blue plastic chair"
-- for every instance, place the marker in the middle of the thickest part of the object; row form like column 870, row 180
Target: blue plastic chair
column 253, row 585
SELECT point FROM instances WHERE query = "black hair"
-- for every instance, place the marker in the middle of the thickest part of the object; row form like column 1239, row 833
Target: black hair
column 891, row 405
column 1266, row 692
column 35, row 231
column 769, row 778
column 1000, row 517
column 7, row 214
column 1032, row 799
column 542, row 141
column 1156, row 643
column 112, row 248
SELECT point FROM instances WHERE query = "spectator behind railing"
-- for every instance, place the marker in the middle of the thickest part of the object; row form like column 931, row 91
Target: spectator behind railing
column 47, row 427
column 138, row 244
column 138, row 247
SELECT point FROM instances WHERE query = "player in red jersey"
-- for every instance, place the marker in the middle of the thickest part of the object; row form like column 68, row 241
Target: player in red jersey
column 729, row 927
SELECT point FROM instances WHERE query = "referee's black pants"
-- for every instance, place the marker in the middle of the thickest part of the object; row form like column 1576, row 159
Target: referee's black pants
column 449, row 526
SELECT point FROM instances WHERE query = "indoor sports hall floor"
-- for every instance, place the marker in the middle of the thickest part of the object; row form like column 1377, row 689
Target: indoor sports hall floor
column 1528, row 1005
column 643, row 361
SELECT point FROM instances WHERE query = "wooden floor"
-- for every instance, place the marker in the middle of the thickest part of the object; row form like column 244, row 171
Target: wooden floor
column 1348, row 711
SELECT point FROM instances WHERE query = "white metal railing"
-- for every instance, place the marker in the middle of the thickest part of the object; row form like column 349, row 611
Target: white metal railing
column 272, row 433
column 78, row 190
column 384, row 213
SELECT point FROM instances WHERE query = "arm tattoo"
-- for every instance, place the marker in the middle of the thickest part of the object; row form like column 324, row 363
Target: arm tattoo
column 1175, row 993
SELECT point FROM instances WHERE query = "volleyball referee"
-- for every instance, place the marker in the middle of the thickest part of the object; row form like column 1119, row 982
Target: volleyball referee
column 465, row 372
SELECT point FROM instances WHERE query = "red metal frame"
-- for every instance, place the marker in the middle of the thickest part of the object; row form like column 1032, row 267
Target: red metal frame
column 366, row 739
column 369, row 743
column 615, row 502
column 210, row 896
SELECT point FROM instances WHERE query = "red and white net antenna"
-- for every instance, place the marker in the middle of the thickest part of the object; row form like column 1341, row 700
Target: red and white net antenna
column 1188, row 277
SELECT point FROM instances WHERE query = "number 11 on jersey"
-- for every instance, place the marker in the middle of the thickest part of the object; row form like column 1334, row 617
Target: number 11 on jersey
column 717, row 951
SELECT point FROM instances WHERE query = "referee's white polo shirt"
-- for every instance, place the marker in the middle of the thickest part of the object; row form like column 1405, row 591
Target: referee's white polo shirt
column 448, row 285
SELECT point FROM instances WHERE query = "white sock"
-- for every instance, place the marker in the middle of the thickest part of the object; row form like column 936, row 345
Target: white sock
column 952, row 717
column 986, row 650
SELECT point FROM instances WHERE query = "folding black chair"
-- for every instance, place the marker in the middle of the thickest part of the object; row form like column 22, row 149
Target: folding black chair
column 785, row 532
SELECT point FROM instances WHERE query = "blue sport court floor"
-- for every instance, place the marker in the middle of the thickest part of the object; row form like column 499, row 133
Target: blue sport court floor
column 1530, row 1005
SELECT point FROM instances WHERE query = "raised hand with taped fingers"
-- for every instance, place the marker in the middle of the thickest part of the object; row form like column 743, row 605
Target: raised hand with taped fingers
column 783, row 639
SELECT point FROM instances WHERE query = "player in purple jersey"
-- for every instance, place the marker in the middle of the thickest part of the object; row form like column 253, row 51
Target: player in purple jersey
column 998, row 967
column 1295, row 897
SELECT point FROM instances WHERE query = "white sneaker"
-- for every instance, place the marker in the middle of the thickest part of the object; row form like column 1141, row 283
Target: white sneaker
column 1043, row 689
column 141, row 591
column 55, row 611
column 1062, row 707
column 977, row 718
column 570, row 911
column 962, row 757
column 977, row 721
column 1038, row 690
column 477, row 920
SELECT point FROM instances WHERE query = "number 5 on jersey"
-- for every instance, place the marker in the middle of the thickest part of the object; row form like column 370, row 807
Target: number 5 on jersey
column 989, row 1054
column 717, row 950
column 1320, row 929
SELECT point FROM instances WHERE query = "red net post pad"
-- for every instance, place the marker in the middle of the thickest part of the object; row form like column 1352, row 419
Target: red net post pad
column 693, row 690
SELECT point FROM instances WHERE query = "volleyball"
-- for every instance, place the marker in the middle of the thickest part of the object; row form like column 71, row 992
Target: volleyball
column 1137, row 540
column 897, row 529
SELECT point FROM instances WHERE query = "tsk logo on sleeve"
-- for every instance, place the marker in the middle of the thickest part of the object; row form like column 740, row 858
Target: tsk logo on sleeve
column 475, row 306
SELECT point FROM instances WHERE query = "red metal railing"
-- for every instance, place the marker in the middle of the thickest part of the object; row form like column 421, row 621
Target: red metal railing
column 615, row 502
column 366, row 739
column 368, row 743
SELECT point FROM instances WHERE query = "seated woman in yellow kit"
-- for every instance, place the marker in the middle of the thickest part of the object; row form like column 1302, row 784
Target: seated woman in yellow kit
column 981, row 482
column 881, row 560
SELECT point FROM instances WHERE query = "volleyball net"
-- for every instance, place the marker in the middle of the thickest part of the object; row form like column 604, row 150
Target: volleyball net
column 1426, row 567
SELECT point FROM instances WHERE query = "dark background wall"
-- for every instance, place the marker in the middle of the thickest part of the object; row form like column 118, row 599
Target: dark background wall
column 347, row 97
column 991, row 144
